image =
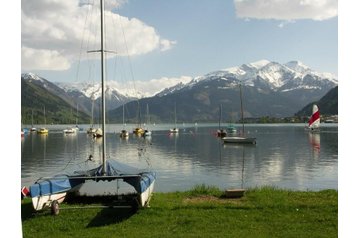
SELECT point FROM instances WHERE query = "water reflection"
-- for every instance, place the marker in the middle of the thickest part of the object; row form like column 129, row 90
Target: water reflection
column 315, row 141
column 284, row 156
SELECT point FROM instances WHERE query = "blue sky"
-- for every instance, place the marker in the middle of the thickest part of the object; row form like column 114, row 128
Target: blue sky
column 172, row 39
column 210, row 36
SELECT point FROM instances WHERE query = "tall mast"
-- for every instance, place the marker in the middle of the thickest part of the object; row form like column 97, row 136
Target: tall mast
column 242, row 114
column 32, row 118
column 220, row 116
column 103, row 64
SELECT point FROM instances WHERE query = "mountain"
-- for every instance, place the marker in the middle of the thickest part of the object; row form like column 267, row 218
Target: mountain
column 328, row 104
column 115, row 96
column 269, row 89
column 37, row 93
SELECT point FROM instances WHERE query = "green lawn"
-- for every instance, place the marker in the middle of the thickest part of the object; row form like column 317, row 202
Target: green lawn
column 200, row 212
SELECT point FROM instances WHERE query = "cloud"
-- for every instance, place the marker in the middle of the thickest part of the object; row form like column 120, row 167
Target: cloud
column 43, row 59
column 56, row 33
column 286, row 9
column 154, row 86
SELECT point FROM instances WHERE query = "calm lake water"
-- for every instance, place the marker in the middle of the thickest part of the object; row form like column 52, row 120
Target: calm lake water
column 285, row 156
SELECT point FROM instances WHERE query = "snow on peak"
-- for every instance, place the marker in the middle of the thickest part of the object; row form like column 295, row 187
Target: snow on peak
column 259, row 64
column 29, row 76
column 298, row 66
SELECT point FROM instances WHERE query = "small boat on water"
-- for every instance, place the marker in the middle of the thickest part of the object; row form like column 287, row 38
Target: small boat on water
column 175, row 129
column 138, row 131
column 98, row 133
column 240, row 139
column 70, row 130
column 32, row 129
column 147, row 133
column 221, row 132
column 124, row 134
column 42, row 131
column 314, row 121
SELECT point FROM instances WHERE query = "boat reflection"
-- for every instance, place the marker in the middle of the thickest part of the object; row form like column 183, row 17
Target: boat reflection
column 315, row 142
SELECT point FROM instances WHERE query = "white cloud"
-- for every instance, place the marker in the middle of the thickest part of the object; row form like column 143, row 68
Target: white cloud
column 154, row 86
column 43, row 59
column 53, row 32
column 286, row 9
column 167, row 44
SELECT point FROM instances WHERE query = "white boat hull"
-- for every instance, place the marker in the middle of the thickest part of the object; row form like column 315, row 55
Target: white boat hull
column 41, row 202
column 146, row 195
column 239, row 140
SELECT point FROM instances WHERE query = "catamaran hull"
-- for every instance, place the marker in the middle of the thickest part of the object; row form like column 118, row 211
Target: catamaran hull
column 41, row 202
column 146, row 195
column 239, row 140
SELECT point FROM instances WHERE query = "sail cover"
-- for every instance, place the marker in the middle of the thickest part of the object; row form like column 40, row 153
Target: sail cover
column 57, row 184
column 137, row 178
column 314, row 121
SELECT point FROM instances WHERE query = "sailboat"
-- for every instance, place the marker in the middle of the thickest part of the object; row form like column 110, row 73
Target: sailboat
column 240, row 139
column 147, row 132
column 43, row 130
column 71, row 130
column 314, row 121
column 139, row 131
column 221, row 132
column 175, row 129
column 124, row 133
column 32, row 129
column 91, row 130
column 51, row 191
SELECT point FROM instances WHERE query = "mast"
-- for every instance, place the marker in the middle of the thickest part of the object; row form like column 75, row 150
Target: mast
column 77, row 115
column 123, row 114
column 175, row 114
column 242, row 113
column 103, row 64
column 92, row 97
column 220, row 116
column 32, row 118
column 45, row 115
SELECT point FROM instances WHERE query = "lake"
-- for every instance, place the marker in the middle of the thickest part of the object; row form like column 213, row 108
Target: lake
column 285, row 156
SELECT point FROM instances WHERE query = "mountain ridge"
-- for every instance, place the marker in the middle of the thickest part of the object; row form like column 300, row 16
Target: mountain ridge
column 270, row 89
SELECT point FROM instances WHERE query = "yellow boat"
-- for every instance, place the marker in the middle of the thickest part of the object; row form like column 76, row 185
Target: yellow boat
column 42, row 131
column 138, row 131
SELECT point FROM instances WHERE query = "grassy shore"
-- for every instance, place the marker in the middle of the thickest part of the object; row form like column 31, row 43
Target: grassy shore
column 200, row 212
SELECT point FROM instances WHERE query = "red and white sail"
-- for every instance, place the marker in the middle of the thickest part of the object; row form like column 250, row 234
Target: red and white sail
column 314, row 121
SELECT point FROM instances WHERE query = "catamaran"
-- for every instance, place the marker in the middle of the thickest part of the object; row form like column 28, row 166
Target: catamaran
column 51, row 191
column 314, row 121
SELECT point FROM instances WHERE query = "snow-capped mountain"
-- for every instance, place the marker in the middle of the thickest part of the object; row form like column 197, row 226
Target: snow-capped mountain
column 278, row 77
column 94, row 90
column 265, row 74
column 270, row 88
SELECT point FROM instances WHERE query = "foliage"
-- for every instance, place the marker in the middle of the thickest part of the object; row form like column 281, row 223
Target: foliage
column 35, row 100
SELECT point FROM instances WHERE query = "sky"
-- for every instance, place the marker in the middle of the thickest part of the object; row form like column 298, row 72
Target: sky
column 166, row 41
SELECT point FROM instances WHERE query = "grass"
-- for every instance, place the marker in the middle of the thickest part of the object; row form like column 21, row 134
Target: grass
column 200, row 212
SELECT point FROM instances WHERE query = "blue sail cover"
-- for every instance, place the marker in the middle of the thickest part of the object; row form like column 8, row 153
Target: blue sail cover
column 57, row 184
column 139, row 179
